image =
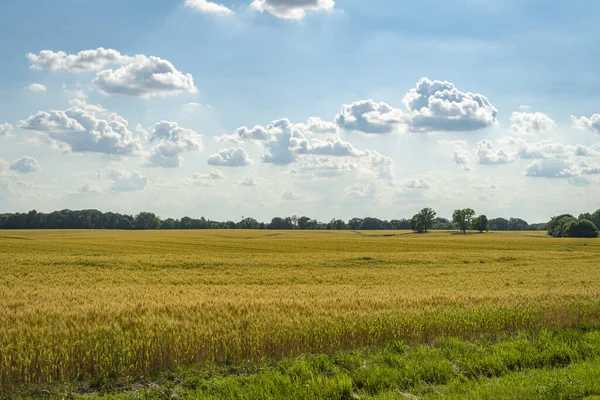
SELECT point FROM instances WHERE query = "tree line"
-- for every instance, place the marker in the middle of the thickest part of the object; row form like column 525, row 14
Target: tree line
column 95, row 219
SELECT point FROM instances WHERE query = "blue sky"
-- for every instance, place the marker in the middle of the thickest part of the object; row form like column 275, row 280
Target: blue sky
column 506, row 122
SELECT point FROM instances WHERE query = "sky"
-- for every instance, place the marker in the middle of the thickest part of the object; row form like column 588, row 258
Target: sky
column 330, row 109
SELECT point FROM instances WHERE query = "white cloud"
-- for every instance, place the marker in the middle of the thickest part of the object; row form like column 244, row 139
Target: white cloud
column 324, row 167
column 583, row 151
column 139, row 76
column 316, row 125
column 207, row 7
column 463, row 158
column 419, row 183
column 36, row 88
column 84, row 130
column 172, row 140
column 591, row 170
column 369, row 117
column 6, row 129
column 551, row 168
column 249, row 181
column 361, row 191
column 440, row 106
column 25, row 164
column 584, row 123
column 145, row 77
column 231, row 157
column 525, row 123
column 126, row 181
column 292, row 9
column 86, row 60
column 289, row 195
column 216, row 174
column 487, row 154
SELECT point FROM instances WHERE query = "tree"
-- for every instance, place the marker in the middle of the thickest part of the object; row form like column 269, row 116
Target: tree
column 280, row 223
column 355, row 223
column 462, row 218
column 582, row 228
column 517, row 224
column 146, row 220
column 481, row 224
column 304, row 223
column 423, row 220
column 557, row 225
column 371, row 224
column 499, row 224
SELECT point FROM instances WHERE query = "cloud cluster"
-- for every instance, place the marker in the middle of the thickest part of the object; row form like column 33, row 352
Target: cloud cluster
column 206, row 179
column 25, row 164
column 77, row 129
column 487, row 154
column 208, row 7
column 171, row 141
column 231, row 157
column 369, row 117
column 432, row 106
column 439, row 106
column 6, row 129
column 36, row 88
column 292, row 9
column 126, row 181
column 139, row 76
column 584, row 123
column 525, row 123
column 284, row 141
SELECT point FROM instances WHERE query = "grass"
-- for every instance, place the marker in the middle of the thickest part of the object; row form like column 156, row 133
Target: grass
column 98, row 309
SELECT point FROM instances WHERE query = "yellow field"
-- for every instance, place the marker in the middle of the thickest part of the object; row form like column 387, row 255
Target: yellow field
column 92, row 305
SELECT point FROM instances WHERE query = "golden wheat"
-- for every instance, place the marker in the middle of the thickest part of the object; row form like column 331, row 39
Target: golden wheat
column 92, row 305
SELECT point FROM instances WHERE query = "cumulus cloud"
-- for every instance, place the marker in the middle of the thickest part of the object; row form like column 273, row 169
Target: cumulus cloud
column 145, row 77
column 231, row 157
column 591, row 170
column 324, row 167
column 551, row 168
column 369, row 117
column 440, row 106
column 126, row 181
column 418, row 184
column 36, row 88
column 6, row 129
column 86, row 60
column 289, row 195
column 139, row 76
column 525, row 123
column 25, row 164
column 584, row 123
column 463, row 158
column 360, row 191
column 583, row 151
column 538, row 150
column 487, row 154
column 172, row 140
column 316, row 125
column 249, row 181
column 292, row 9
column 208, row 7
column 84, row 130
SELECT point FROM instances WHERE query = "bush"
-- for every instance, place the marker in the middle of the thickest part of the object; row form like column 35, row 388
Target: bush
column 582, row 229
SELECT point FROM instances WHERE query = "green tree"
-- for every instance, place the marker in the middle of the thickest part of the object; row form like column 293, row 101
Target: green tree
column 481, row 224
column 146, row 220
column 582, row 228
column 423, row 220
column 463, row 218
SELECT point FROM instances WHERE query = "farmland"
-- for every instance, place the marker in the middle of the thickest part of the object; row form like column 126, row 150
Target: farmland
column 90, row 308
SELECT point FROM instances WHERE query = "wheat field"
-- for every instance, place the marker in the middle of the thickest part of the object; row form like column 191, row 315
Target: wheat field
column 93, row 306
